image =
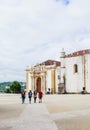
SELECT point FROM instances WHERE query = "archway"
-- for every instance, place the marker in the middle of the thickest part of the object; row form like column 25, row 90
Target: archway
column 38, row 84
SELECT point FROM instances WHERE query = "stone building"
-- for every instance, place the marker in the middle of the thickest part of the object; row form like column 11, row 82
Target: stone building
column 70, row 75
column 43, row 77
column 75, row 71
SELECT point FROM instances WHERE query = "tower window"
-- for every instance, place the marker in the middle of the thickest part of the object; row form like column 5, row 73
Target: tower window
column 75, row 68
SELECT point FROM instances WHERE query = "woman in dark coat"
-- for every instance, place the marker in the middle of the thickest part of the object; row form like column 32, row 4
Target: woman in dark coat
column 30, row 96
column 23, row 96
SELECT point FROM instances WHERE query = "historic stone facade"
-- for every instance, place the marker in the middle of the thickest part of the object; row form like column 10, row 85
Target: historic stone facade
column 43, row 77
column 71, row 75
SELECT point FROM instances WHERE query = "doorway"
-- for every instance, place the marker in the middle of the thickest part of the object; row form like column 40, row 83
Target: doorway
column 38, row 84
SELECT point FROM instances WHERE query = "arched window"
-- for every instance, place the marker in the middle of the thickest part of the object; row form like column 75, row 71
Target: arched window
column 75, row 68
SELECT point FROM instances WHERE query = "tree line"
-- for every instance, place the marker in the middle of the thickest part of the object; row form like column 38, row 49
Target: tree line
column 12, row 87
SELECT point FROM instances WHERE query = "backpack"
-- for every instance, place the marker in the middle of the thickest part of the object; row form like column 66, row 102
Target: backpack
column 29, row 94
column 35, row 94
column 23, row 94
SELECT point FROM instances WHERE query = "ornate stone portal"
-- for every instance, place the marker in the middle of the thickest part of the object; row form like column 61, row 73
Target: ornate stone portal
column 42, row 77
column 37, row 76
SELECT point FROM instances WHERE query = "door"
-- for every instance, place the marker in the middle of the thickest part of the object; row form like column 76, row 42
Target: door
column 38, row 84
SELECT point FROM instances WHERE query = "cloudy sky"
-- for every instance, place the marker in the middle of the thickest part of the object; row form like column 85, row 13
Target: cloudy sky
column 32, row 31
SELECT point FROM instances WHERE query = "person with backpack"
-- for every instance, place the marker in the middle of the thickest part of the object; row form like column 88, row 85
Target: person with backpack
column 30, row 96
column 35, row 95
column 23, row 96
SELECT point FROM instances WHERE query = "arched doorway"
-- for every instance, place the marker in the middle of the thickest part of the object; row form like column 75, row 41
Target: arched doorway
column 38, row 84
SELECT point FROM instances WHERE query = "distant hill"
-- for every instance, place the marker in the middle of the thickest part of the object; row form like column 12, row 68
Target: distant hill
column 3, row 85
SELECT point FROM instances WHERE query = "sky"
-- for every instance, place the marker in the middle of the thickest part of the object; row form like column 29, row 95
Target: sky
column 33, row 31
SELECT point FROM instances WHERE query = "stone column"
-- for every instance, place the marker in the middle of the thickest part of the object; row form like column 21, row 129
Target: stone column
column 53, row 81
column 26, row 81
column 44, row 85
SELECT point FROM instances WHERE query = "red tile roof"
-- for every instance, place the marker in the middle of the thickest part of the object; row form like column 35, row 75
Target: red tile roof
column 51, row 62
column 78, row 53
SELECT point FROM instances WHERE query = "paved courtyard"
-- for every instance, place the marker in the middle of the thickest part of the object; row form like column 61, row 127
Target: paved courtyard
column 57, row 112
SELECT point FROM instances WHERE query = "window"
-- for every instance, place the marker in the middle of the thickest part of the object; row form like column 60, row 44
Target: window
column 75, row 68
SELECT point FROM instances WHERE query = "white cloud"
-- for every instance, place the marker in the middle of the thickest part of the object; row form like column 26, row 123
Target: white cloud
column 32, row 31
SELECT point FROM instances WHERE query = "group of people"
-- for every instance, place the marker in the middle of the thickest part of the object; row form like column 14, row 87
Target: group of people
column 31, row 94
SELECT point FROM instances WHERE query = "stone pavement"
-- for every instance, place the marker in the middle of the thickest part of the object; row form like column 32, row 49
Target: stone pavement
column 34, row 117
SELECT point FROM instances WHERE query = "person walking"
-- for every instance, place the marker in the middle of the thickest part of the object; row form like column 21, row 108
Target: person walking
column 40, row 95
column 23, row 96
column 35, row 95
column 30, row 96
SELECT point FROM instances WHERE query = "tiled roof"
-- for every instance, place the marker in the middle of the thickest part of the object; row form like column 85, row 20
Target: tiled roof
column 51, row 62
column 78, row 53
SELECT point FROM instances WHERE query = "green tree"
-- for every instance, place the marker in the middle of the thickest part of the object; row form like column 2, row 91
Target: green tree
column 8, row 90
column 15, row 87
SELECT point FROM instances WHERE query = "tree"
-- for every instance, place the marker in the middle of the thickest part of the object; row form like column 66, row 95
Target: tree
column 15, row 87
column 8, row 90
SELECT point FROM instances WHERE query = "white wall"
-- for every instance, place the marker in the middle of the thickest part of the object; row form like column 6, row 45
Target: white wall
column 74, row 81
column 48, row 79
column 56, row 76
column 88, row 73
